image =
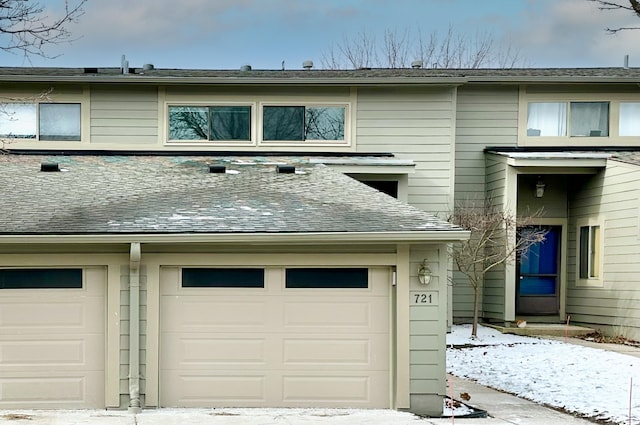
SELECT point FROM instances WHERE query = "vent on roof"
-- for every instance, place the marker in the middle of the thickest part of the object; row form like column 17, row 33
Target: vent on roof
column 217, row 169
column 417, row 64
column 307, row 64
column 285, row 169
column 91, row 70
column 245, row 68
column 49, row 167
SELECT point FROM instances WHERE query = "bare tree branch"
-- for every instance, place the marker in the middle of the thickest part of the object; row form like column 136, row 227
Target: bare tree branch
column 27, row 28
column 451, row 50
column 632, row 6
column 491, row 243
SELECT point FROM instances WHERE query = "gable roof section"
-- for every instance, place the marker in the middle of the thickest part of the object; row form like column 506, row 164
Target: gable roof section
column 146, row 195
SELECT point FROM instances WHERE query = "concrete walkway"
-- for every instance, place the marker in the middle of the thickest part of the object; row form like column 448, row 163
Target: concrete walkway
column 504, row 408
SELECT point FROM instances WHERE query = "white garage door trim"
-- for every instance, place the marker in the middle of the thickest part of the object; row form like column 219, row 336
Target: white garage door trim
column 52, row 345
column 275, row 346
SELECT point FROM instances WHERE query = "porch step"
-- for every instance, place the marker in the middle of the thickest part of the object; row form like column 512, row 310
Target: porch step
column 543, row 329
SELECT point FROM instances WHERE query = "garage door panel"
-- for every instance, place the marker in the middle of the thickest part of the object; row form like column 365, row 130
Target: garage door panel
column 215, row 390
column 276, row 347
column 366, row 353
column 201, row 316
column 62, row 390
column 47, row 351
column 207, row 351
column 332, row 390
column 52, row 345
column 336, row 316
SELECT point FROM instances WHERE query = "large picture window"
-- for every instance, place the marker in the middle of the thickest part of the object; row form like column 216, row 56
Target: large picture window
column 300, row 123
column 212, row 123
column 578, row 119
column 43, row 121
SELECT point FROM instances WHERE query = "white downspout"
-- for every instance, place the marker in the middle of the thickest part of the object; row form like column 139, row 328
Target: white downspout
column 134, row 328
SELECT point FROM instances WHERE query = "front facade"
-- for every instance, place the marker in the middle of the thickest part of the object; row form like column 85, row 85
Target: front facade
column 213, row 251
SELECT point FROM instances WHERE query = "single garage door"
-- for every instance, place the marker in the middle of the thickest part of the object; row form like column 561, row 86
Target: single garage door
column 274, row 337
column 52, row 338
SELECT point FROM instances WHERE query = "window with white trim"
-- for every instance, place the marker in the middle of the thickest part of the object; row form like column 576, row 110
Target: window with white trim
column 303, row 123
column 589, row 253
column 40, row 121
column 576, row 119
column 210, row 122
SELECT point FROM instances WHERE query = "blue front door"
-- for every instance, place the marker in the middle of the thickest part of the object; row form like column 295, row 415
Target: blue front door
column 538, row 279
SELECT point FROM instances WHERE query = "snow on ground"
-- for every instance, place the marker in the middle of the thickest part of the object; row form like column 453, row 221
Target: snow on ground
column 582, row 380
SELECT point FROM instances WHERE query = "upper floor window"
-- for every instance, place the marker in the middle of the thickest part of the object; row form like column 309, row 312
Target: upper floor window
column 300, row 123
column 41, row 121
column 213, row 123
column 629, row 119
column 578, row 119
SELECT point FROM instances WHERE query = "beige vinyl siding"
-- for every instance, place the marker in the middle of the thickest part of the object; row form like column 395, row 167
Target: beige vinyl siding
column 415, row 124
column 124, row 116
column 486, row 116
column 493, row 291
column 428, row 324
column 613, row 196
column 124, row 334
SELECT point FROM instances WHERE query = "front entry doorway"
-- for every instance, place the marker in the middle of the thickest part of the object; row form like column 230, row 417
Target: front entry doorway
column 538, row 275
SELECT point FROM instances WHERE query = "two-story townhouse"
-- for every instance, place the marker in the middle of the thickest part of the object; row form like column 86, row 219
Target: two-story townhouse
column 232, row 262
column 195, row 238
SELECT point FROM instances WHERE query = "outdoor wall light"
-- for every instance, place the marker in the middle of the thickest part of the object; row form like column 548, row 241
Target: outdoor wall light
column 424, row 273
column 540, row 186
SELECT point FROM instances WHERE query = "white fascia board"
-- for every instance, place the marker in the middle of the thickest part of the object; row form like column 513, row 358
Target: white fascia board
column 558, row 162
column 435, row 236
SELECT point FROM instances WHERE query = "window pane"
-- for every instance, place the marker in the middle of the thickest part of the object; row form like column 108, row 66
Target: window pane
column 327, row 278
column 230, row 122
column 584, row 252
column 222, row 278
column 59, row 121
column 547, row 119
column 594, row 266
column 283, row 123
column 629, row 119
column 40, row 278
column 324, row 123
column 590, row 119
column 188, row 123
column 18, row 120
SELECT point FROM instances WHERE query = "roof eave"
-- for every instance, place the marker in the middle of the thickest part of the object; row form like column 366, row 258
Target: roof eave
column 154, row 80
column 324, row 238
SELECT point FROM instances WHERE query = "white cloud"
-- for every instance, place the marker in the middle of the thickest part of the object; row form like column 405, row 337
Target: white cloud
column 572, row 33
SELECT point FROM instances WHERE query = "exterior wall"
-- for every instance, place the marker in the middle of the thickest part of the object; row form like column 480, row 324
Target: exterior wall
column 494, row 290
column 428, row 312
column 417, row 124
column 612, row 199
column 486, row 116
column 124, row 117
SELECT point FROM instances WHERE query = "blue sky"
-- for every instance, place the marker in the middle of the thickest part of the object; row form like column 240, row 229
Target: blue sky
column 225, row 34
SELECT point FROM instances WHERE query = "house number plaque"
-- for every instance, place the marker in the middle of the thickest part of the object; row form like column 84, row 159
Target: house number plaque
column 424, row 298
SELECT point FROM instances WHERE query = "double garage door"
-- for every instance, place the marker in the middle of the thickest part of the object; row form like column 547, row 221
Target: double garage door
column 274, row 337
column 52, row 338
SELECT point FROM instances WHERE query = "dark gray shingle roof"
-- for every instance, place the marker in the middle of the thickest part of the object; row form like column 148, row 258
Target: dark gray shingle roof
column 318, row 76
column 162, row 194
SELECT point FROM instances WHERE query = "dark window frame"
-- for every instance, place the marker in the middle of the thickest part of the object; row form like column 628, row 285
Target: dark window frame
column 219, row 277
column 327, row 278
column 41, row 278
